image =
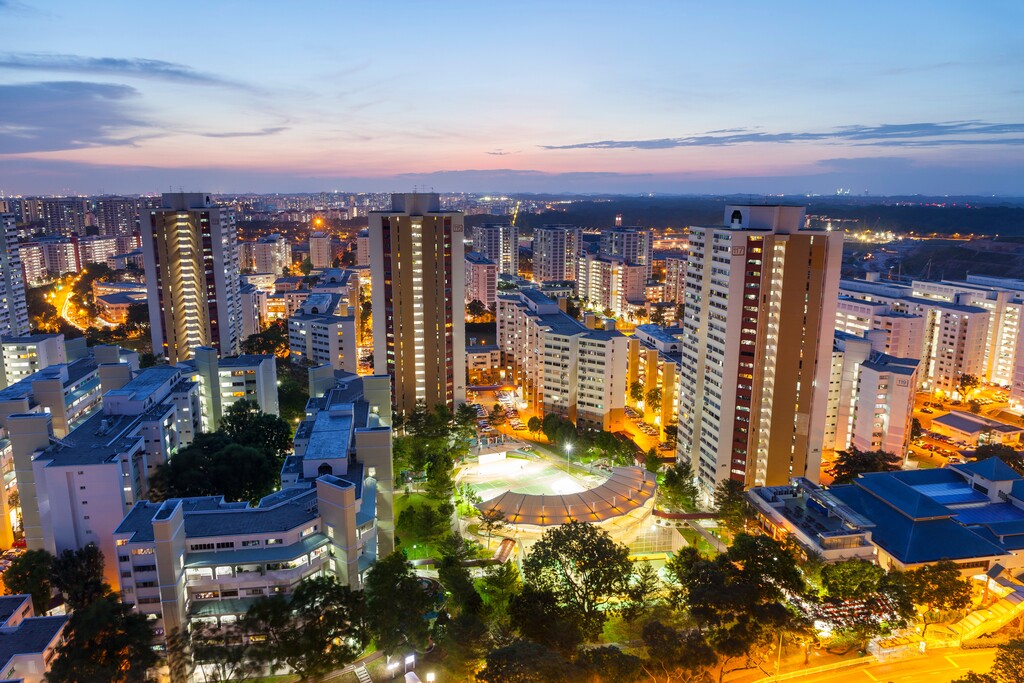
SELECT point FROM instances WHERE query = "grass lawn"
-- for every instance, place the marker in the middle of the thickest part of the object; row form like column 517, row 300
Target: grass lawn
column 414, row 547
column 695, row 539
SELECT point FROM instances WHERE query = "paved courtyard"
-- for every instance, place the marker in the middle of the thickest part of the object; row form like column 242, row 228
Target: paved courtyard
column 524, row 476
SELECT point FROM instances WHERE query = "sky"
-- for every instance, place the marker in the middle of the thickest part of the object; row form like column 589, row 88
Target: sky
column 556, row 96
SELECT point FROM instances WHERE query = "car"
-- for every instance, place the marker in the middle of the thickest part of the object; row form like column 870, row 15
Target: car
column 955, row 460
column 927, row 411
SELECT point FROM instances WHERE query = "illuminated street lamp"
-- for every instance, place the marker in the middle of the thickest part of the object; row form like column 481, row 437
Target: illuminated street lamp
column 568, row 451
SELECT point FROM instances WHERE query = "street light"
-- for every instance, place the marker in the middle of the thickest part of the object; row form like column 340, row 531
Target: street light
column 430, row 677
column 568, row 451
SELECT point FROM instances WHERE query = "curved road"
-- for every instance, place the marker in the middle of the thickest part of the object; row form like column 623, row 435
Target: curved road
column 938, row 666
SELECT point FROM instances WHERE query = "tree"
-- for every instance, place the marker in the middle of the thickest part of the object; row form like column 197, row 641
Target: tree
column 213, row 465
column 78, row 575
column 658, row 315
column 500, row 583
column 491, row 520
column 608, row 663
column 306, row 267
column 536, row 614
column 497, row 416
column 583, row 567
column 965, row 383
column 851, row 579
column 247, row 425
column 271, row 341
column 397, row 604
column 320, row 627
column 678, row 490
column 476, row 308
column 684, row 654
column 533, row 424
column 223, row 651
column 652, row 462
column 426, row 523
column 939, row 588
column 636, row 391
column 1005, row 452
column 654, row 399
column 525, row 662
column 105, row 641
column 974, row 406
column 731, row 506
column 455, row 577
column 915, row 429
column 29, row 574
column 852, row 463
column 558, row 429
column 642, row 593
column 1008, row 666
column 138, row 316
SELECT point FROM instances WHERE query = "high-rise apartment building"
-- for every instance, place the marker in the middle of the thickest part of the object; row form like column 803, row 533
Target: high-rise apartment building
column 635, row 245
column 117, row 216
column 363, row 248
column 556, row 249
column 675, row 278
column 96, row 249
column 418, row 274
column 63, row 215
column 320, row 250
column 757, row 341
column 610, row 283
column 481, row 279
column 13, row 311
column 272, row 254
column 499, row 243
column 191, row 261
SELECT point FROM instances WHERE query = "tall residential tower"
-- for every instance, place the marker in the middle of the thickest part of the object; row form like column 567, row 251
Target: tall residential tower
column 760, row 306
column 499, row 243
column 13, row 311
column 418, row 273
column 556, row 249
column 191, row 260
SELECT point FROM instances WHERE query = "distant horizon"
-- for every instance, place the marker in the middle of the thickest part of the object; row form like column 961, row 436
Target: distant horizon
column 582, row 96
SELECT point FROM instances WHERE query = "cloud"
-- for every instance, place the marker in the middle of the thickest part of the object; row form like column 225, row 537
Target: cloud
column 500, row 153
column 896, row 135
column 153, row 69
column 46, row 117
column 246, row 134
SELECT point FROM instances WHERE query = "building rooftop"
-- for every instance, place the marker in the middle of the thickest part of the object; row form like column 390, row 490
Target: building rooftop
column 245, row 360
column 28, row 338
column 883, row 362
column 147, row 382
column 992, row 469
column 478, row 258
column 31, row 636
column 974, row 424
column 98, row 440
column 10, row 605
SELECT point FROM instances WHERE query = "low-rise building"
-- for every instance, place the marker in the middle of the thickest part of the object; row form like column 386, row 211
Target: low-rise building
column 318, row 334
column 28, row 643
column 225, row 381
column 975, row 430
column 27, row 354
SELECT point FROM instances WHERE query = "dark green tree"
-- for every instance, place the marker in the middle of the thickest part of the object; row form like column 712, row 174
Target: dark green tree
column 29, row 574
column 213, row 464
column 538, row 616
column 584, row 567
column 78, row 575
column 938, row 588
column 397, row 604
column 247, row 425
column 673, row 655
column 105, row 641
column 853, row 462
column 1008, row 454
column 965, row 383
column 492, row 520
column 526, row 662
column 636, row 391
column 497, row 416
column 654, row 399
column 500, row 583
column 271, row 341
column 652, row 462
column 476, row 308
column 851, row 579
column 642, row 593
column 320, row 627
column 534, row 424
column 915, row 429
column 678, row 491
column 608, row 663
column 731, row 505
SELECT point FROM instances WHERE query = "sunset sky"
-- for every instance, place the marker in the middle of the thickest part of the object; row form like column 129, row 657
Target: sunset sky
column 589, row 96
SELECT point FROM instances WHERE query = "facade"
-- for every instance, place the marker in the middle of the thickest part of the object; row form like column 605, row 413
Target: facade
column 363, row 248
column 675, row 278
column 563, row 366
column 96, row 249
column 191, row 259
column 870, row 397
column 632, row 244
column 418, row 274
column 272, row 254
column 757, row 340
column 556, row 249
column 225, row 381
column 654, row 360
column 254, row 309
column 500, row 244
column 63, row 215
column 117, row 216
column 611, row 283
column 320, row 250
column 319, row 335
column 481, row 279
column 25, row 355
column 60, row 255
column 13, row 310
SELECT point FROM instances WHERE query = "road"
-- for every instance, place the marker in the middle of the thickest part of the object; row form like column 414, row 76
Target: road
column 939, row 666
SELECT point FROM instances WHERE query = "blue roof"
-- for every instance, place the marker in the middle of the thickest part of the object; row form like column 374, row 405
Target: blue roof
column 992, row 469
column 902, row 497
column 950, row 493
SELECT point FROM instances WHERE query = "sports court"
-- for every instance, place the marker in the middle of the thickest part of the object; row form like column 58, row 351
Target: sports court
column 519, row 475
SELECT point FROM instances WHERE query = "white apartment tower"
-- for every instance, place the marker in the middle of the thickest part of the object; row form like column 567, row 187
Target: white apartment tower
column 556, row 248
column 499, row 243
column 635, row 245
column 418, row 273
column 320, row 250
column 757, row 341
column 192, row 276
column 13, row 311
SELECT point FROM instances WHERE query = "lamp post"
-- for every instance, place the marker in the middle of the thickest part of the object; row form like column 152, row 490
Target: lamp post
column 568, row 452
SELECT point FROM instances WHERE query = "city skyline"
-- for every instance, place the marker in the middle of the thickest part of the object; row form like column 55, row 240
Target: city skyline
column 550, row 98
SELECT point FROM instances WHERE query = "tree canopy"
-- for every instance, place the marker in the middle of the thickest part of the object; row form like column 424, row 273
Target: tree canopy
column 214, row 464
column 853, row 462
column 397, row 603
column 247, row 425
column 731, row 505
column 29, row 574
column 78, row 575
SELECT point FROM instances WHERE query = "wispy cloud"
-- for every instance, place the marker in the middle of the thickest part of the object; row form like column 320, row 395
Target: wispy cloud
column 44, row 117
column 153, row 69
column 500, row 153
column 273, row 130
column 896, row 135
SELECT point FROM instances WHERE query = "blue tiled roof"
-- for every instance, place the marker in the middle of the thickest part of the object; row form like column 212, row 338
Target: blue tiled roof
column 901, row 496
column 992, row 469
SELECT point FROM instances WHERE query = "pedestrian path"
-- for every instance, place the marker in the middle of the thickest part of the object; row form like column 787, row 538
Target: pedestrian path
column 363, row 675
